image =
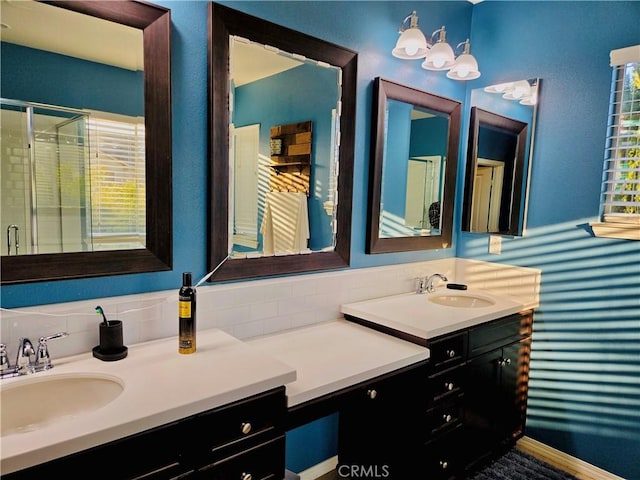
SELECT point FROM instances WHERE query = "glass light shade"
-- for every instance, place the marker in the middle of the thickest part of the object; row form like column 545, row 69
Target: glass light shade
column 519, row 90
column 440, row 57
column 411, row 45
column 499, row 88
column 532, row 99
column 465, row 68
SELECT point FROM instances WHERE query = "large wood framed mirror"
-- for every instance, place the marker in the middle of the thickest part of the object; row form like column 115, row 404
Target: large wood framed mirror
column 281, row 148
column 32, row 252
column 500, row 148
column 414, row 152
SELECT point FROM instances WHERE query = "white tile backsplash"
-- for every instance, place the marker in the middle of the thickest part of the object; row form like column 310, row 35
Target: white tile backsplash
column 252, row 308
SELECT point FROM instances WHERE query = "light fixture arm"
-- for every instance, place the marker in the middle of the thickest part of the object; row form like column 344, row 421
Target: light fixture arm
column 466, row 47
column 413, row 16
column 442, row 35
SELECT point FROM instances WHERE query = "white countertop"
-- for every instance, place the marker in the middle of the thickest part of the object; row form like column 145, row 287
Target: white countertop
column 415, row 314
column 160, row 386
column 333, row 355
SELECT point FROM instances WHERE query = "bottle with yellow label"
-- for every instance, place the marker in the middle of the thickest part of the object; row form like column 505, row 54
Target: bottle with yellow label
column 187, row 315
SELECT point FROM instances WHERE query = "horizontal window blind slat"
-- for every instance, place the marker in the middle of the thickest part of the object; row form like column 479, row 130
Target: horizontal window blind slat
column 620, row 196
column 118, row 163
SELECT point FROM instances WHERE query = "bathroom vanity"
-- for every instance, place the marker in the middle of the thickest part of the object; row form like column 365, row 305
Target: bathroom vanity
column 216, row 414
column 440, row 420
column 431, row 396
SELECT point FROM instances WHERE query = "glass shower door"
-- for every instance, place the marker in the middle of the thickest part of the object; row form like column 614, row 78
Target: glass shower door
column 15, row 206
column 45, row 206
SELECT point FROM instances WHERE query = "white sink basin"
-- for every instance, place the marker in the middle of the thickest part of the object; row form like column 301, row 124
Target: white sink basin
column 461, row 301
column 37, row 402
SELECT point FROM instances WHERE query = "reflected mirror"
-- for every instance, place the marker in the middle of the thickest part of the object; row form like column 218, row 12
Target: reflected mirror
column 281, row 118
column 413, row 168
column 84, row 190
column 283, row 170
column 499, row 155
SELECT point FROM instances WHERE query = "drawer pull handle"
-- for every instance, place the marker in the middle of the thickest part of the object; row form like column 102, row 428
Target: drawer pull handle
column 444, row 464
column 245, row 476
column 448, row 386
column 246, row 428
column 447, row 417
column 372, row 393
column 451, row 353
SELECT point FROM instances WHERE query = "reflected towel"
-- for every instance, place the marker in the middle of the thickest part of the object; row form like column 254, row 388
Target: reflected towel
column 285, row 226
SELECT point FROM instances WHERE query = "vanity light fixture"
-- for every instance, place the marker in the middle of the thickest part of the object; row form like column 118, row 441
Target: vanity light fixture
column 499, row 88
column 412, row 43
column 440, row 56
column 532, row 98
column 466, row 66
column 520, row 90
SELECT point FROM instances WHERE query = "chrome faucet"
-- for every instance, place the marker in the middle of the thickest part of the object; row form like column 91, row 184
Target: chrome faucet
column 425, row 284
column 28, row 359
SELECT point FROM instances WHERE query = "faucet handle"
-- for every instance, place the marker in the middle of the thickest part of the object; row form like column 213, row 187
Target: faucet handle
column 43, row 359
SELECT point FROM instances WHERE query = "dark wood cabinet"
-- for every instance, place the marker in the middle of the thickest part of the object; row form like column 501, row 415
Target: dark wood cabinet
column 495, row 408
column 380, row 423
column 442, row 421
column 241, row 440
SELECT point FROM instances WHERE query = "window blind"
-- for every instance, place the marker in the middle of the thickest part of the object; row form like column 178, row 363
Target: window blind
column 117, row 172
column 621, row 177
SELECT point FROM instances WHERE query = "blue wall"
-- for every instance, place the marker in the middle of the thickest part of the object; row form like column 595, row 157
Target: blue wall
column 585, row 364
column 584, row 379
column 38, row 76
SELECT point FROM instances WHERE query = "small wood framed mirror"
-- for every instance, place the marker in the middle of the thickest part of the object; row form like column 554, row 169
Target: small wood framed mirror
column 412, row 177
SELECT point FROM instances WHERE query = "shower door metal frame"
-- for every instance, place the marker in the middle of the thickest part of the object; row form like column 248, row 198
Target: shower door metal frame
column 29, row 108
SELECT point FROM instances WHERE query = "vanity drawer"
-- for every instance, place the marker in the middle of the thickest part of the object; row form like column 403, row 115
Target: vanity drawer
column 444, row 458
column 448, row 350
column 495, row 334
column 265, row 461
column 446, row 384
column 444, row 417
column 252, row 420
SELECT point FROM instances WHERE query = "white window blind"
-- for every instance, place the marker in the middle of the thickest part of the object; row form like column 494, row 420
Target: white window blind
column 118, row 195
column 621, row 177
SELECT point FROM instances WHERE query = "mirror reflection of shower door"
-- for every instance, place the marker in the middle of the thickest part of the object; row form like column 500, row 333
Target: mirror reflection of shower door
column 15, row 206
column 60, row 155
column 44, row 155
column 74, row 192
column 245, row 176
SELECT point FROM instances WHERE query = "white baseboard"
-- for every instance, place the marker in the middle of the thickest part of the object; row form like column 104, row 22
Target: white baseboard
column 319, row 469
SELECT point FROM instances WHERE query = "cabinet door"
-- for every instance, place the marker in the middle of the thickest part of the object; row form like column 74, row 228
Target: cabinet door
column 496, row 397
column 482, row 400
column 512, row 397
column 381, row 423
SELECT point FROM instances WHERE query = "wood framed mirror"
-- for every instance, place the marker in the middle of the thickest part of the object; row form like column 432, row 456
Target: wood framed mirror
column 155, row 252
column 229, row 29
column 412, row 176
